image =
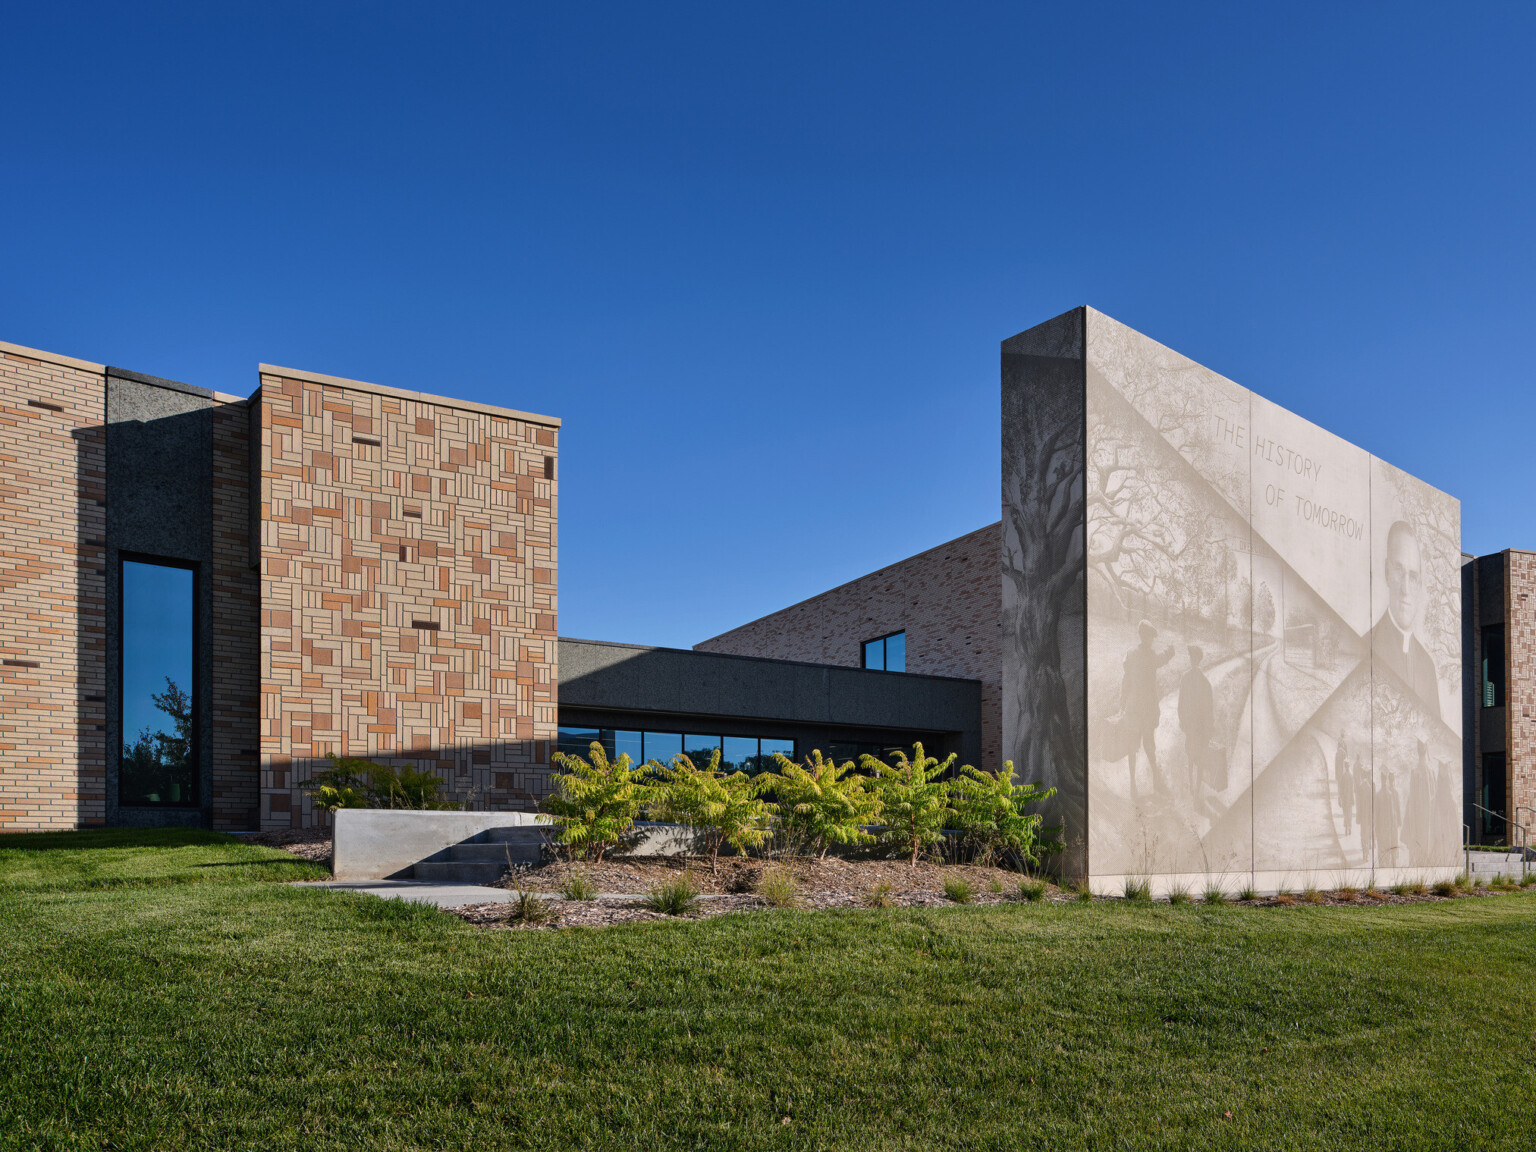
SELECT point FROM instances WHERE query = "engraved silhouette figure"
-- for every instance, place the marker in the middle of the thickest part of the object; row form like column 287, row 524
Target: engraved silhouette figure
column 1344, row 784
column 1196, row 718
column 1139, row 708
column 1394, row 640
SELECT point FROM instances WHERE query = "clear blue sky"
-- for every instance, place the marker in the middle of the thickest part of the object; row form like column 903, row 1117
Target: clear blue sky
column 759, row 258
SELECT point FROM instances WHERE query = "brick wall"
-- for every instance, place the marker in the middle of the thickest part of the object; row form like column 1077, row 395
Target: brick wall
column 1520, row 694
column 381, row 511
column 948, row 600
column 52, row 591
column 236, row 627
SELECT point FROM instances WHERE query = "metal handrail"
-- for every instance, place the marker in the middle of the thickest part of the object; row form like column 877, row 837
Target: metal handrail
column 1524, row 846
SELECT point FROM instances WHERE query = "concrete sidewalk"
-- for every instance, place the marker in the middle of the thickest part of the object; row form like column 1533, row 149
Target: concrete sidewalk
column 418, row 891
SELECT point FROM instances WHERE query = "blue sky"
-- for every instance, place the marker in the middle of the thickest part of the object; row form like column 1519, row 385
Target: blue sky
column 759, row 258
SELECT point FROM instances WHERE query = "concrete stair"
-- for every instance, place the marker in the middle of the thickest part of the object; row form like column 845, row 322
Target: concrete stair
column 483, row 859
column 1487, row 865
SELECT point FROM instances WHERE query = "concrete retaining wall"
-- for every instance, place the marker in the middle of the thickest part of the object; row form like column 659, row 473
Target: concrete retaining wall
column 382, row 844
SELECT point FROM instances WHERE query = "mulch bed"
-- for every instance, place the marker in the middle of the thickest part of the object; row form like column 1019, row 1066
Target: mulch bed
column 313, row 844
column 819, row 884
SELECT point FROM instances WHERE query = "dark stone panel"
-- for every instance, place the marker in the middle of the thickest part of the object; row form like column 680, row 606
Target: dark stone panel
column 809, row 700
column 160, row 506
column 1044, row 597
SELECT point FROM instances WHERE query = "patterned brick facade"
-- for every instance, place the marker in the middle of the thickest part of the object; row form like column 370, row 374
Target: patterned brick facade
column 948, row 600
column 408, row 573
column 52, row 591
column 1520, row 695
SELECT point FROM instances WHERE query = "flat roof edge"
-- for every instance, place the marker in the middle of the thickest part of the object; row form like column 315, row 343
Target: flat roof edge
column 762, row 659
column 406, row 394
column 52, row 358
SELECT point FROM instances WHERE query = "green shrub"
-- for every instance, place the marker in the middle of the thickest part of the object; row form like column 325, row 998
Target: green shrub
column 1214, row 894
column 578, row 886
column 1138, row 889
column 596, row 801
column 914, row 801
column 1248, row 894
column 1528, row 879
column 1032, row 890
column 778, row 887
column 1083, row 891
column 673, row 897
column 351, row 782
column 880, row 896
column 989, row 810
column 725, row 807
column 1311, row 895
column 957, row 890
column 1445, row 888
column 1179, row 895
column 823, row 803
column 530, row 908
column 995, row 886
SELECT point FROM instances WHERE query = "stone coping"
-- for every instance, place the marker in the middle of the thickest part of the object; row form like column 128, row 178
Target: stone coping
column 405, row 394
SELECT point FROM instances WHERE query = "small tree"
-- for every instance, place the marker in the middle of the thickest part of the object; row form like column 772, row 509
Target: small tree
column 914, row 800
column 596, row 801
column 825, row 802
column 990, row 812
column 727, row 808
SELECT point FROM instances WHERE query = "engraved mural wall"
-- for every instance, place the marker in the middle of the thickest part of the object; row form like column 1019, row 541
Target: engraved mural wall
column 1272, row 635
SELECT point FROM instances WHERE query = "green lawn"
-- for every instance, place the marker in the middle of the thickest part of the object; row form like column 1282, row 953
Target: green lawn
column 159, row 990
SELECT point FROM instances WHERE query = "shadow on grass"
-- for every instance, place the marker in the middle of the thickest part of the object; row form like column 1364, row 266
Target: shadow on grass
column 114, row 838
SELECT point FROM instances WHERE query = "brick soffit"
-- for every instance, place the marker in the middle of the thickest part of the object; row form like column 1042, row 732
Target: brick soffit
column 404, row 394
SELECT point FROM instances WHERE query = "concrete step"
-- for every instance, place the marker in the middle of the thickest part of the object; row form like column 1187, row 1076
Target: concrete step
column 514, row 834
column 502, row 851
column 459, row 871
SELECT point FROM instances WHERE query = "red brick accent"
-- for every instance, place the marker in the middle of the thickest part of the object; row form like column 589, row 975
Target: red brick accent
column 236, row 627
column 350, row 663
column 52, row 595
column 948, row 600
column 1520, row 691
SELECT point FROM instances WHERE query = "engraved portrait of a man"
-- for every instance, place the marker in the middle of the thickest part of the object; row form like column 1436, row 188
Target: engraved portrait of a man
column 1395, row 643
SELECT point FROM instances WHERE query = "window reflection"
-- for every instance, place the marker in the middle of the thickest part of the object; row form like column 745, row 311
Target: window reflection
column 158, row 764
column 887, row 654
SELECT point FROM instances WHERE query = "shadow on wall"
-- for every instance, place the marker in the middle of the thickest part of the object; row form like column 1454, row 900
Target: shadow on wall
column 91, row 650
column 500, row 776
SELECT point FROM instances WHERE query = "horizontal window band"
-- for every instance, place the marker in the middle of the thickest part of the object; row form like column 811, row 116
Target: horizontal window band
column 22, row 664
column 367, row 440
column 45, row 404
column 426, row 625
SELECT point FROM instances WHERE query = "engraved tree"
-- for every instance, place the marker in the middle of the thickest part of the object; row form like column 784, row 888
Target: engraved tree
column 1043, row 568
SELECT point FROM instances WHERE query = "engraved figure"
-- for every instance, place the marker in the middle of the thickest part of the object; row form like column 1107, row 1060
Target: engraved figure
column 1394, row 642
column 1196, row 717
column 1344, row 784
column 1140, row 710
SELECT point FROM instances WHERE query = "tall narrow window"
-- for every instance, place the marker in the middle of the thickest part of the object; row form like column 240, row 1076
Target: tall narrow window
column 888, row 653
column 1493, row 667
column 158, row 764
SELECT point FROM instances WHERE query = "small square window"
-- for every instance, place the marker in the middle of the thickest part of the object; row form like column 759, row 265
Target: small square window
column 887, row 653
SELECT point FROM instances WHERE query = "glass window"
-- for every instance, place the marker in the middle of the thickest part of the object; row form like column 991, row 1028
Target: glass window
column 158, row 764
column 767, row 747
column 887, row 654
column 628, row 744
column 1493, row 667
column 700, row 748
column 740, row 754
column 874, row 653
column 578, row 741
column 662, row 746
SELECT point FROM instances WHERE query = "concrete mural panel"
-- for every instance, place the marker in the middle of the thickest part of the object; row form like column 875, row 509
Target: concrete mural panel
column 1272, row 637
column 1042, row 561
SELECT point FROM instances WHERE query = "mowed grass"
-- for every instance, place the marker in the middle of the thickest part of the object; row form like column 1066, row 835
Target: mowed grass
column 183, row 1005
